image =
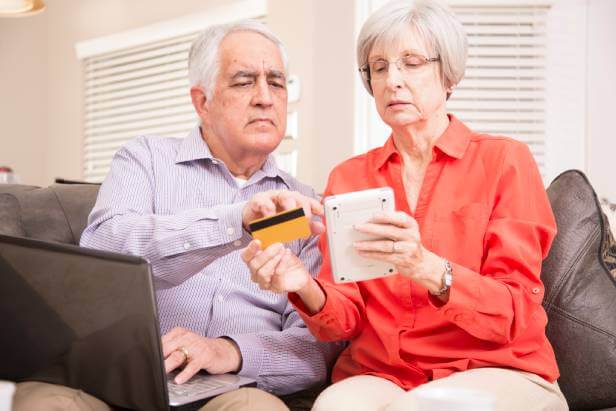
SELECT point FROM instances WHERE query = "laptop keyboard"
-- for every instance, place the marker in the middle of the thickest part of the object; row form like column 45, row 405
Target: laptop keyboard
column 194, row 386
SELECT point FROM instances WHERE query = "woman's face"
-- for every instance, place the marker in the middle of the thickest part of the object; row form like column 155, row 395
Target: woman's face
column 405, row 96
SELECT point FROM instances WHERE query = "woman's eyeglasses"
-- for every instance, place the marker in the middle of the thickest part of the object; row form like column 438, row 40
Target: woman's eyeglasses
column 378, row 69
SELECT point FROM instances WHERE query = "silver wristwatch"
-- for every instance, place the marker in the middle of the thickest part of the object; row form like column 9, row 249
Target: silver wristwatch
column 447, row 280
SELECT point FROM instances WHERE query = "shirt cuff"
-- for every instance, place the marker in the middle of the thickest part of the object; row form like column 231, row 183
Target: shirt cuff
column 323, row 323
column 464, row 295
column 191, row 231
column 251, row 347
column 230, row 222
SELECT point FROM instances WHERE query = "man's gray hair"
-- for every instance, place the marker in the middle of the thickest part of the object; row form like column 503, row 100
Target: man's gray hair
column 434, row 23
column 204, row 59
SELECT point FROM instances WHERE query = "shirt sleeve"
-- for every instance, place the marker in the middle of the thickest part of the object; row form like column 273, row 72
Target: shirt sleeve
column 343, row 315
column 291, row 359
column 498, row 303
column 177, row 246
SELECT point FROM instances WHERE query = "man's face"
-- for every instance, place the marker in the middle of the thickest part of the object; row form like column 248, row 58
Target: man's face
column 247, row 111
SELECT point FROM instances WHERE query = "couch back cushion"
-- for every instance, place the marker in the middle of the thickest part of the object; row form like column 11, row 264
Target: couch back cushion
column 580, row 296
column 55, row 213
column 10, row 216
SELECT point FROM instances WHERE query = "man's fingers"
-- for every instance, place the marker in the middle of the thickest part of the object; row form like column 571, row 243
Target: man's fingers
column 316, row 227
column 263, row 204
column 315, row 207
column 287, row 200
column 187, row 373
column 170, row 340
column 173, row 361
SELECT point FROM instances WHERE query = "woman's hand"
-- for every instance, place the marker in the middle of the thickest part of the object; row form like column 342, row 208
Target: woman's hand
column 276, row 268
column 279, row 270
column 399, row 244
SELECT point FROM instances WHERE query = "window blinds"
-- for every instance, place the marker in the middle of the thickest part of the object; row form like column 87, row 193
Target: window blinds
column 135, row 91
column 503, row 91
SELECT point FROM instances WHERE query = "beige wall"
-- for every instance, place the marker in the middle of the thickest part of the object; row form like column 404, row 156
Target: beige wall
column 601, row 92
column 71, row 21
column 41, row 93
column 318, row 34
column 23, row 96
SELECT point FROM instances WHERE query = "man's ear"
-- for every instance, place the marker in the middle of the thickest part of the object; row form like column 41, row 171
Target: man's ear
column 199, row 100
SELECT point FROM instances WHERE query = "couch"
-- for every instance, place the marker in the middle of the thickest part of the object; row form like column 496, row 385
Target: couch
column 579, row 273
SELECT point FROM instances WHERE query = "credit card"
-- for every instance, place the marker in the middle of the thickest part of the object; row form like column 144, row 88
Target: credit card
column 281, row 228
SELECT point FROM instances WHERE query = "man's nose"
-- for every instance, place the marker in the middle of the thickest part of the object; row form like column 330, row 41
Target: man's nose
column 263, row 94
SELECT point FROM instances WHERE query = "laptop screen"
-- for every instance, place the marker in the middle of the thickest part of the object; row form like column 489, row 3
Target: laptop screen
column 81, row 318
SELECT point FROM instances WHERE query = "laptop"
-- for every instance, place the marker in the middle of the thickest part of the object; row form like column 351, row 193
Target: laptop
column 87, row 319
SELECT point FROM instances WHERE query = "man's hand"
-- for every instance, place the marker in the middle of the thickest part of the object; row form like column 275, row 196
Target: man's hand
column 268, row 203
column 214, row 355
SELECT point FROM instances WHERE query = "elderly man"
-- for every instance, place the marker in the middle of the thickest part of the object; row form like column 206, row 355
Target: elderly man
column 184, row 204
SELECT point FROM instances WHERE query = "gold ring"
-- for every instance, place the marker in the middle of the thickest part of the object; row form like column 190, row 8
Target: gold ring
column 184, row 351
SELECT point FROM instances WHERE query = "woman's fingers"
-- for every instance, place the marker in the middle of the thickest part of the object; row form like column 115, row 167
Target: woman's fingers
column 396, row 218
column 385, row 231
column 264, row 274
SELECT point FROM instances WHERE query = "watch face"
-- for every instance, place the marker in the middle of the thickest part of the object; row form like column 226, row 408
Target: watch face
column 448, row 279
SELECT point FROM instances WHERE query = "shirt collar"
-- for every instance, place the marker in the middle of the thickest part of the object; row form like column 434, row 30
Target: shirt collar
column 456, row 138
column 193, row 147
column 453, row 142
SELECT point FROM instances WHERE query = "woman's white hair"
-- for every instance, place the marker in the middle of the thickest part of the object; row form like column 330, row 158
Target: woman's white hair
column 434, row 23
column 203, row 58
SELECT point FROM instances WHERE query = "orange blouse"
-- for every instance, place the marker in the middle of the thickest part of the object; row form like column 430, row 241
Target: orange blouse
column 482, row 206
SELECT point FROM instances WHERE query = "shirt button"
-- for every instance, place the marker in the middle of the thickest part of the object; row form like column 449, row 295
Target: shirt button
column 214, row 162
column 186, row 246
column 230, row 231
column 237, row 243
column 536, row 290
column 221, row 298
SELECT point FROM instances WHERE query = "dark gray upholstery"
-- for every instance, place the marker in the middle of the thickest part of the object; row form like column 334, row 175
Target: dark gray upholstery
column 55, row 213
column 580, row 295
column 10, row 216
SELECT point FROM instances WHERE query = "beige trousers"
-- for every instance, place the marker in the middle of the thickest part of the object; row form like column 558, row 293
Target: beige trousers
column 38, row 396
column 513, row 391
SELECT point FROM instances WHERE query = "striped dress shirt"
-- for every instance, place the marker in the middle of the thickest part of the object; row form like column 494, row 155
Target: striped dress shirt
column 170, row 201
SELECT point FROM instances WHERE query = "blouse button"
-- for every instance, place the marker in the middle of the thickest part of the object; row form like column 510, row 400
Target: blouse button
column 536, row 290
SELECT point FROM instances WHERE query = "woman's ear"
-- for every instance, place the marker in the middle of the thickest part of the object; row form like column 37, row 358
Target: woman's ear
column 449, row 90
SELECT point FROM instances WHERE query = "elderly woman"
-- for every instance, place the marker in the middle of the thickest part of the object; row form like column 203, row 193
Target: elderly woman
column 472, row 227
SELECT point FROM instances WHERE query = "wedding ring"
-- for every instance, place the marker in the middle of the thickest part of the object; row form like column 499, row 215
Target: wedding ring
column 184, row 351
column 393, row 247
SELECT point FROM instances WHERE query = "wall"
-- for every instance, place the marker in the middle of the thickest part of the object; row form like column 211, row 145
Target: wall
column 71, row 21
column 601, row 156
column 23, row 96
column 319, row 36
column 41, row 94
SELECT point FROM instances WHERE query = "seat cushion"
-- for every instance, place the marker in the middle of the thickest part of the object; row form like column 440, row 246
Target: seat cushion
column 10, row 216
column 55, row 213
column 580, row 298
column 77, row 200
